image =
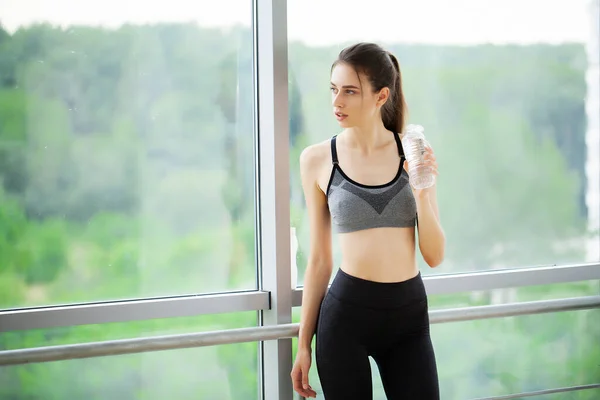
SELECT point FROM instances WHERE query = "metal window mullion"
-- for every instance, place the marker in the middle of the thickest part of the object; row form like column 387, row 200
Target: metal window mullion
column 510, row 278
column 131, row 310
column 498, row 279
column 275, row 356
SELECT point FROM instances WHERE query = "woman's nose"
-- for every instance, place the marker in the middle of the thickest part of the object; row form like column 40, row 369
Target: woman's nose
column 337, row 101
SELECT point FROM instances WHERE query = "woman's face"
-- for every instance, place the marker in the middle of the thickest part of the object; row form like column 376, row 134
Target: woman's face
column 352, row 97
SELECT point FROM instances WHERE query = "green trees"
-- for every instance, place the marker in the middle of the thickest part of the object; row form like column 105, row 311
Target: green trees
column 126, row 170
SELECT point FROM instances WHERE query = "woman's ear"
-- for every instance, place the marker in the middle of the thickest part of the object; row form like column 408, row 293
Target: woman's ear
column 383, row 96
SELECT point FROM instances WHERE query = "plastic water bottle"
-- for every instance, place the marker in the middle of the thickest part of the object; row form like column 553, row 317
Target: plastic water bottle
column 414, row 144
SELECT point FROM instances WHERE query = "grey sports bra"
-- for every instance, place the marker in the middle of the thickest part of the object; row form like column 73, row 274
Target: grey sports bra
column 354, row 206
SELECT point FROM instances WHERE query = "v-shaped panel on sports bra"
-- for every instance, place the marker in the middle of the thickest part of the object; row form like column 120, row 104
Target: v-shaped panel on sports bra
column 354, row 206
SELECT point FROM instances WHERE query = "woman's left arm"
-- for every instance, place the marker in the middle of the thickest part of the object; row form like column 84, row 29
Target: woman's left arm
column 432, row 240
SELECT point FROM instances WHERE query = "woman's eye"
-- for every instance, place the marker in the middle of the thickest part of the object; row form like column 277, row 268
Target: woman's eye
column 349, row 91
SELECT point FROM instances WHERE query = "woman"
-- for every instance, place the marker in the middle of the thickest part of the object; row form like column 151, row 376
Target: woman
column 358, row 182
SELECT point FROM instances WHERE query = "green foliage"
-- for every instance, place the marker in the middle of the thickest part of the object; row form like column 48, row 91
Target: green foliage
column 35, row 251
column 45, row 243
column 13, row 224
column 12, row 288
column 127, row 170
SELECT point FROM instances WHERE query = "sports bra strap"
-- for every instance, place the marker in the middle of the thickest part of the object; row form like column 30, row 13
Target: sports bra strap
column 399, row 144
column 334, row 157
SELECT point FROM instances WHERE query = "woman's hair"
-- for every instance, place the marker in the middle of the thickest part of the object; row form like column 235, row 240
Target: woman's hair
column 383, row 70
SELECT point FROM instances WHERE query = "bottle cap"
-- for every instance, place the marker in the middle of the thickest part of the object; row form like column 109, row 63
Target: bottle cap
column 414, row 128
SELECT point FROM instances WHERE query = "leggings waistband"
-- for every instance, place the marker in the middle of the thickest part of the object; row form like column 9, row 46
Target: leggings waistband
column 379, row 295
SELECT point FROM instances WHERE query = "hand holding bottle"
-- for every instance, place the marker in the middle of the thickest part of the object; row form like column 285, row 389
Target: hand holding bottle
column 429, row 161
column 420, row 163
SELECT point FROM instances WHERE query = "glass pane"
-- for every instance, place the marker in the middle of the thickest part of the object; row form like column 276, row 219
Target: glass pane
column 515, row 295
column 519, row 354
column 220, row 372
column 502, row 356
column 224, row 372
column 126, row 150
column 516, row 142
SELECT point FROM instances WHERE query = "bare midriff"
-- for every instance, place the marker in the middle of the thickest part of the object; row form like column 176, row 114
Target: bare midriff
column 379, row 254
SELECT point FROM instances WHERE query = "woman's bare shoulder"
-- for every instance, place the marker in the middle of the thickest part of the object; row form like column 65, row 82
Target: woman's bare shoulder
column 315, row 156
column 315, row 164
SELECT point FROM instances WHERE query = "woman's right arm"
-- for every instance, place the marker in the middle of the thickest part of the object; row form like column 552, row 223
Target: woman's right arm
column 320, row 262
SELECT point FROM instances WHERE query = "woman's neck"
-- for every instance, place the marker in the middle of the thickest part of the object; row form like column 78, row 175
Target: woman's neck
column 367, row 138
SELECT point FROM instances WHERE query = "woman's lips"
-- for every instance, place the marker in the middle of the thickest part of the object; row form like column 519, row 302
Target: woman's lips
column 340, row 116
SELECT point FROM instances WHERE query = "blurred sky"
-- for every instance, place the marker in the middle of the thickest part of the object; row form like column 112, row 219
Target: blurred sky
column 323, row 22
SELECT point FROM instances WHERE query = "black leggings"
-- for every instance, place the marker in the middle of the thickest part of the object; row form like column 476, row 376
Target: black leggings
column 387, row 321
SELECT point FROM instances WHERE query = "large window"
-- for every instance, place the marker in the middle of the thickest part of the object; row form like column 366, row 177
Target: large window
column 126, row 151
column 144, row 189
column 501, row 91
column 512, row 115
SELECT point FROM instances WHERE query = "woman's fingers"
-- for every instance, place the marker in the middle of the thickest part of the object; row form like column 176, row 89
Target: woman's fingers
column 301, row 385
column 429, row 160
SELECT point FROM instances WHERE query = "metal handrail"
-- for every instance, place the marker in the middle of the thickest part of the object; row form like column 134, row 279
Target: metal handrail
column 542, row 392
column 514, row 309
column 254, row 334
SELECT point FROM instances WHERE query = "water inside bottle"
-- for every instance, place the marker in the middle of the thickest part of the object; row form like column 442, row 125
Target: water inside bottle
column 414, row 143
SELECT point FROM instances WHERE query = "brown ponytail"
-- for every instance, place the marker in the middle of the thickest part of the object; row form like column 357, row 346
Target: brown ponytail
column 396, row 117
